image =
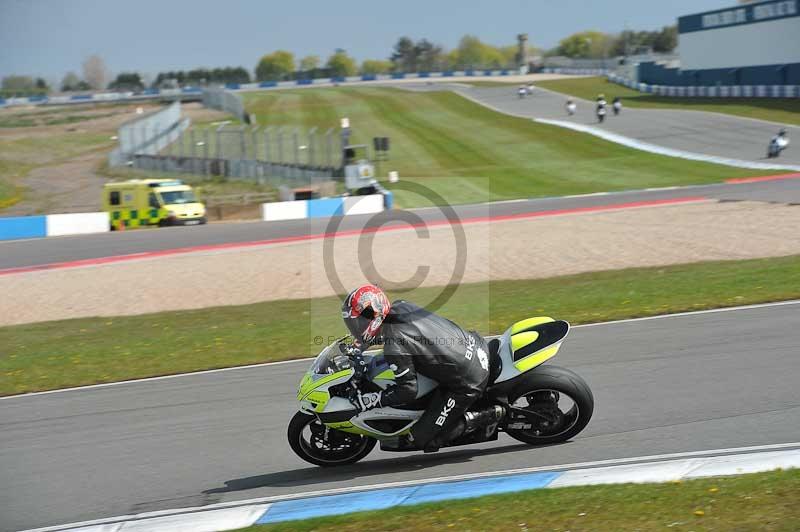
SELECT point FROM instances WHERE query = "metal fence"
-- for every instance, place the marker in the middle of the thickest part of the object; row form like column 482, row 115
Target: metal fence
column 224, row 100
column 150, row 133
column 271, row 155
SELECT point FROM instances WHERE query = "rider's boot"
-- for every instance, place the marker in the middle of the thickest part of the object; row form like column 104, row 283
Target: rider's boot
column 472, row 421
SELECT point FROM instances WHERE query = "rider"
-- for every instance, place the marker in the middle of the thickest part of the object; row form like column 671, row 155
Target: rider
column 778, row 143
column 418, row 341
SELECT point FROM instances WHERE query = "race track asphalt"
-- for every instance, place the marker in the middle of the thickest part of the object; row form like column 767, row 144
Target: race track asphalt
column 25, row 253
column 693, row 131
column 680, row 383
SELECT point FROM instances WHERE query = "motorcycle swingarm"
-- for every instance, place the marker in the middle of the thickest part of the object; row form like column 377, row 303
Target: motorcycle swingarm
column 521, row 418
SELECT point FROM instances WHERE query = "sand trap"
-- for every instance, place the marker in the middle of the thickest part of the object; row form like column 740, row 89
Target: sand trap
column 518, row 249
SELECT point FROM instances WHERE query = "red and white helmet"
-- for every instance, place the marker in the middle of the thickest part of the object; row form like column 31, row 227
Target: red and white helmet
column 364, row 310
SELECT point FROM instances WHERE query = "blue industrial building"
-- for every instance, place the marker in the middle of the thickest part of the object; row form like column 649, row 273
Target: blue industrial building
column 755, row 43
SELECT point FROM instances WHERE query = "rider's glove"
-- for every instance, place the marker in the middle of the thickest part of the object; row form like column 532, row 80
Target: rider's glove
column 359, row 364
column 367, row 401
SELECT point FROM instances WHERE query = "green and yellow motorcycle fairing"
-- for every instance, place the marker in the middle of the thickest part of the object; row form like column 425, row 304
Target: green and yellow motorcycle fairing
column 522, row 347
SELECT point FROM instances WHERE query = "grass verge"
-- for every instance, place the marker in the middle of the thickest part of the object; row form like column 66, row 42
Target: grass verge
column 61, row 354
column 760, row 501
column 474, row 153
column 9, row 193
column 783, row 110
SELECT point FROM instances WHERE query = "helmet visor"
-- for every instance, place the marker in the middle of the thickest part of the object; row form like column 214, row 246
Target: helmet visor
column 357, row 326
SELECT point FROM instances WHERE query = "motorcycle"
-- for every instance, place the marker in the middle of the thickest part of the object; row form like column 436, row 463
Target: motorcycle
column 776, row 146
column 541, row 404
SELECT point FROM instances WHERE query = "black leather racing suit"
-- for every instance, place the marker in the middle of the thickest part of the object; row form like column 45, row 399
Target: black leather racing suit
column 418, row 341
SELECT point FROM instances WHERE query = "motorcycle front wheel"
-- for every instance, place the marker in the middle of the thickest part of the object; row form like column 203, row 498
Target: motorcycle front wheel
column 558, row 404
column 317, row 444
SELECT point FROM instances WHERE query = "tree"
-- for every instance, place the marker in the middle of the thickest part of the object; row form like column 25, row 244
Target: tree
column 127, row 81
column 275, row 66
column 510, row 55
column 341, row 64
column 470, row 52
column 309, row 62
column 587, row 44
column 473, row 53
column 41, row 84
column 375, row 66
column 95, row 72
column 70, row 82
column 428, row 56
column 404, row 55
column 666, row 40
column 632, row 42
column 18, row 83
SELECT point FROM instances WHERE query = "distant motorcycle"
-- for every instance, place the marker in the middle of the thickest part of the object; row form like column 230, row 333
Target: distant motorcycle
column 540, row 404
column 777, row 144
column 601, row 108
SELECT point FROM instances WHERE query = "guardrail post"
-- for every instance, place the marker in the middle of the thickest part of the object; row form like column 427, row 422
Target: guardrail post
column 254, row 139
column 266, row 144
column 329, row 146
column 312, row 134
column 193, row 165
column 295, row 135
column 280, row 145
column 242, row 143
column 206, row 169
column 219, row 140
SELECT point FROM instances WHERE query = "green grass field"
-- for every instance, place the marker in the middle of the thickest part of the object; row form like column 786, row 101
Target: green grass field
column 18, row 156
column 9, row 194
column 783, row 110
column 60, row 354
column 46, row 118
column 468, row 153
column 760, row 501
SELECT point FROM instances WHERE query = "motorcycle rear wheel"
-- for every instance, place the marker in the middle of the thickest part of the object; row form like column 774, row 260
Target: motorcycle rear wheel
column 546, row 390
column 319, row 445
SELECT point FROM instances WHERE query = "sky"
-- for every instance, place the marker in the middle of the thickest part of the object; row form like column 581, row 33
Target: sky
column 50, row 37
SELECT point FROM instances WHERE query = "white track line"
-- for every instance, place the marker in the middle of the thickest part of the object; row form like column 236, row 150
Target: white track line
column 436, row 480
column 305, row 360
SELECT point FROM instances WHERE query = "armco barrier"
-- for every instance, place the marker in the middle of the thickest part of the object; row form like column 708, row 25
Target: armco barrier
column 20, row 227
column 189, row 93
column 326, row 207
column 15, row 228
column 77, row 224
column 714, row 91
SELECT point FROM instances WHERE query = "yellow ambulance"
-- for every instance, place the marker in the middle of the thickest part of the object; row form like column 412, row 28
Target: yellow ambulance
column 157, row 202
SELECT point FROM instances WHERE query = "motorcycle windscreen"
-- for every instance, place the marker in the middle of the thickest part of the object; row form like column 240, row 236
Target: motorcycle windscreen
column 331, row 360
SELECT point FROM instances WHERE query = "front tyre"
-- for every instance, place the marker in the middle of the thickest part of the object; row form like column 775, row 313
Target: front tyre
column 557, row 405
column 317, row 444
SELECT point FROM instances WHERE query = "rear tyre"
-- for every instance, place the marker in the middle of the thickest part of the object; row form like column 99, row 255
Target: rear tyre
column 561, row 401
column 319, row 445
